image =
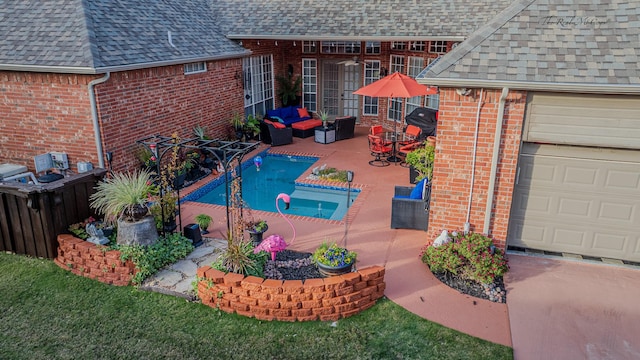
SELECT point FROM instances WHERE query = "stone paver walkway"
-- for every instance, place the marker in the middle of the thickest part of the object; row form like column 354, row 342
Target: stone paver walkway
column 177, row 279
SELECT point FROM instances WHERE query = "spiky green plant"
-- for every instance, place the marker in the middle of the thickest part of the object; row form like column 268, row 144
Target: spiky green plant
column 121, row 194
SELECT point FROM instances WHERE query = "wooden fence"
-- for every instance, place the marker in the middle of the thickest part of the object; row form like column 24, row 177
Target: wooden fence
column 32, row 216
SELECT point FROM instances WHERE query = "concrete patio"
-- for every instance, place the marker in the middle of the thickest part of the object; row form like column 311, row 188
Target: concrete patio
column 545, row 317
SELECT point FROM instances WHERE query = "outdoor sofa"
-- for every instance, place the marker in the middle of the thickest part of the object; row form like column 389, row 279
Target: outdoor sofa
column 410, row 206
column 345, row 127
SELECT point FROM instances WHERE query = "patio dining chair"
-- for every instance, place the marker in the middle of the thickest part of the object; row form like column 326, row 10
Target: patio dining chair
column 379, row 149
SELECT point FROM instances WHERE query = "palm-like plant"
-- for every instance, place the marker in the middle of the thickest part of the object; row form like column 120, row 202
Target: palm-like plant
column 123, row 195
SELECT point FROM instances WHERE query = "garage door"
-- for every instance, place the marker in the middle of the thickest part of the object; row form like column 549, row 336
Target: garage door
column 579, row 200
column 587, row 120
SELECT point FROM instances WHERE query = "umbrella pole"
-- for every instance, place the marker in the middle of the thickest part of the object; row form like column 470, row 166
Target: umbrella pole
column 393, row 158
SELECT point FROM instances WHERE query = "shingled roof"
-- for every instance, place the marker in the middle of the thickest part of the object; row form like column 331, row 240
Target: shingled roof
column 84, row 36
column 564, row 45
column 354, row 19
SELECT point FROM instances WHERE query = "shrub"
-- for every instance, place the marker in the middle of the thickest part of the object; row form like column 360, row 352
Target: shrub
column 239, row 258
column 471, row 256
column 149, row 259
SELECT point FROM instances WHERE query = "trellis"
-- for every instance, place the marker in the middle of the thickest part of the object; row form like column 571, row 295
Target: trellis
column 225, row 152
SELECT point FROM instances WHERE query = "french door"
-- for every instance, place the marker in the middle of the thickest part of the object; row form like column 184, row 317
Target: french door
column 338, row 84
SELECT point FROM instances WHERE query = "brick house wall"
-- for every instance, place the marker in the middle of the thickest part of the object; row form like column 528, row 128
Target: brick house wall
column 454, row 157
column 43, row 112
column 163, row 100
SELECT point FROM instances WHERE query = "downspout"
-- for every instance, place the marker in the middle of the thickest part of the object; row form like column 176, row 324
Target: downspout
column 494, row 160
column 467, row 224
column 94, row 117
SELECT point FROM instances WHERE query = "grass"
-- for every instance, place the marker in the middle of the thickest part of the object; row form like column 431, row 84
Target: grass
column 49, row 313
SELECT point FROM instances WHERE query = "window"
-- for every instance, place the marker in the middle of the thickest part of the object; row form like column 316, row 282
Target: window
column 258, row 84
column 417, row 46
column 194, row 68
column 396, row 64
column 432, row 101
column 398, row 45
column 341, row 47
column 438, row 47
column 372, row 47
column 309, row 47
column 416, row 64
column 310, row 84
column 371, row 74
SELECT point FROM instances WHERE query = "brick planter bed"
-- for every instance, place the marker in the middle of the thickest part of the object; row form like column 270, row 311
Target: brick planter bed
column 325, row 299
column 93, row 261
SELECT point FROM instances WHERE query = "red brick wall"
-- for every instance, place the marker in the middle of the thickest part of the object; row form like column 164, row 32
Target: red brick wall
column 43, row 112
column 93, row 261
column 453, row 162
column 140, row 103
column 51, row 112
column 327, row 299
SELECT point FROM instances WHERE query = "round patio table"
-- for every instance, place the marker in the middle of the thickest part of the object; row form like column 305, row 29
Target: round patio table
column 391, row 137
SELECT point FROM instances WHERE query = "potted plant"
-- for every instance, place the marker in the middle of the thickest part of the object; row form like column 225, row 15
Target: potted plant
column 252, row 126
column 421, row 163
column 332, row 259
column 288, row 89
column 238, row 125
column 125, row 198
column 324, row 116
column 203, row 220
column 256, row 229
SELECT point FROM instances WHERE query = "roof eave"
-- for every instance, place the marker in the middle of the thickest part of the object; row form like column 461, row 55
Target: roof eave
column 342, row 37
column 105, row 69
column 628, row 89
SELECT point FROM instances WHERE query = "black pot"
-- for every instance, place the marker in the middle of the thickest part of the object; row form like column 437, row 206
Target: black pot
column 256, row 237
column 178, row 181
column 327, row 270
column 413, row 174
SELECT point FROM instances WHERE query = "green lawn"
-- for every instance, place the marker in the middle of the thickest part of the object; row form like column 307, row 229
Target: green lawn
column 49, row 313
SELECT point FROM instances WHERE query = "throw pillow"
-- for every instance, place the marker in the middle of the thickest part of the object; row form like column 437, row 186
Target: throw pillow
column 416, row 193
column 278, row 119
column 302, row 112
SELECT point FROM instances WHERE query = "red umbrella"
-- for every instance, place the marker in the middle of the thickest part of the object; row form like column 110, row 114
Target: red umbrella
column 396, row 85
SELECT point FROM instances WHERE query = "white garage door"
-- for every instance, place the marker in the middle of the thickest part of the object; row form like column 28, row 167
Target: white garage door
column 577, row 200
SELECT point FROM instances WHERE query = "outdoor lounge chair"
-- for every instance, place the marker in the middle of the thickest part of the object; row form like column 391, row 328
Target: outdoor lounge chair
column 345, row 127
column 408, row 212
column 274, row 136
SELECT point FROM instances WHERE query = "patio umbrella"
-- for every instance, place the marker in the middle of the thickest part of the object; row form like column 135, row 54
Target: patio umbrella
column 396, row 85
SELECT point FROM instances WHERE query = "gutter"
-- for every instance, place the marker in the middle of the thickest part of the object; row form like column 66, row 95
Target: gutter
column 107, row 69
column 94, row 117
column 630, row 89
column 494, row 161
column 343, row 37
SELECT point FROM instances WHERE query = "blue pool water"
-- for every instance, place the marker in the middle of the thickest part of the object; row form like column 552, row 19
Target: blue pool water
column 277, row 175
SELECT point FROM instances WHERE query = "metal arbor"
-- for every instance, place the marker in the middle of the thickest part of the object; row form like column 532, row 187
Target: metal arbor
column 225, row 152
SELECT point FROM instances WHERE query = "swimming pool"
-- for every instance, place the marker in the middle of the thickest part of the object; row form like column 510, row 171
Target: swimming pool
column 278, row 174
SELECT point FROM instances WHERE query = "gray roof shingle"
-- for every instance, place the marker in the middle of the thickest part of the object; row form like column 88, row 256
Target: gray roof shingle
column 356, row 19
column 96, row 36
column 593, row 42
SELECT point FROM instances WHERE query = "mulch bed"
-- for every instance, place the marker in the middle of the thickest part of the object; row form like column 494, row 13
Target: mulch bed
column 494, row 292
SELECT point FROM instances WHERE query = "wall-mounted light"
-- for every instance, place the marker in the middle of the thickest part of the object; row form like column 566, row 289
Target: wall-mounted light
column 276, row 42
column 384, row 72
column 240, row 43
column 463, row 91
column 258, row 42
column 294, row 43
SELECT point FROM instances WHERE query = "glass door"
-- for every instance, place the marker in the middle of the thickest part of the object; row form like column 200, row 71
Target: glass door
column 338, row 84
column 350, row 83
